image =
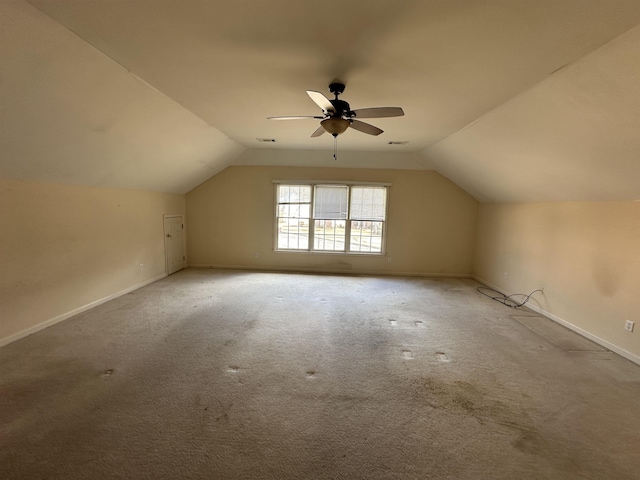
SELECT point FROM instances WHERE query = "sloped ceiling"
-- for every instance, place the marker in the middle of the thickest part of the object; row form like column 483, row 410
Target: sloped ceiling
column 512, row 100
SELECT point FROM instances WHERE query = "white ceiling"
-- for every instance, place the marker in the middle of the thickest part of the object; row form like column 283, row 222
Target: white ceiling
column 513, row 100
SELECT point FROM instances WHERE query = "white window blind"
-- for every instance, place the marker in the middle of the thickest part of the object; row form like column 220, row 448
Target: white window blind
column 330, row 202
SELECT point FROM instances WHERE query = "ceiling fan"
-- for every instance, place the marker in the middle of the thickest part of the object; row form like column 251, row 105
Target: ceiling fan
column 337, row 116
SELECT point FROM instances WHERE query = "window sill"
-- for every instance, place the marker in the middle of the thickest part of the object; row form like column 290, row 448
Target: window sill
column 316, row 252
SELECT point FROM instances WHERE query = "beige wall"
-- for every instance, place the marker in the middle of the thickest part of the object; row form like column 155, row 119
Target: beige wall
column 586, row 256
column 431, row 223
column 65, row 247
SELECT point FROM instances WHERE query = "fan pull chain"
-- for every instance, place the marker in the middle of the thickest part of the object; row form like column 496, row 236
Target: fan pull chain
column 335, row 148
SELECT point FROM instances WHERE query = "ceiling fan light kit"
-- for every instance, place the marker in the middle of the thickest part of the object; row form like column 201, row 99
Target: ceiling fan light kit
column 335, row 126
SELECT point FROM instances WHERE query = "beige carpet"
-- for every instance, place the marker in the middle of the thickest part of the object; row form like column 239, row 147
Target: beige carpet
column 236, row 375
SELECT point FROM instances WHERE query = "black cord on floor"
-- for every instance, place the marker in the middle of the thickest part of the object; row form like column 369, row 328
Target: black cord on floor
column 507, row 300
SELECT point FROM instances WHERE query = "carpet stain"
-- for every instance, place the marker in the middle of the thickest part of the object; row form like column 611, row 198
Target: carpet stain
column 464, row 398
column 530, row 442
column 224, row 416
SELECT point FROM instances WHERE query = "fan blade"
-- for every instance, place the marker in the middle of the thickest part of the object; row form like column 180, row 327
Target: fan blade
column 318, row 132
column 378, row 112
column 365, row 127
column 294, row 118
column 323, row 102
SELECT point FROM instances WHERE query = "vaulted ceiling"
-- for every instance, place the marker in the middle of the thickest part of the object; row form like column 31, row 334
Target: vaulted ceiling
column 513, row 100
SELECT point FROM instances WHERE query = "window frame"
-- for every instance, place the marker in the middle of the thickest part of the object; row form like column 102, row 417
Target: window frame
column 311, row 240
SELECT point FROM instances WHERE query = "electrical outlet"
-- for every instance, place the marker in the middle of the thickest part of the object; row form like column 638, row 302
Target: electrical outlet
column 389, row 260
column 141, row 267
column 256, row 255
column 506, row 275
column 628, row 325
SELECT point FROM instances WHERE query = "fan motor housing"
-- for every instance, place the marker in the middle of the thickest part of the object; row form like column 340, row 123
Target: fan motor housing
column 342, row 107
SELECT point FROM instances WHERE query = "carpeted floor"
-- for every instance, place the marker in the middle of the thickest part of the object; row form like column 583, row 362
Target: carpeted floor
column 237, row 375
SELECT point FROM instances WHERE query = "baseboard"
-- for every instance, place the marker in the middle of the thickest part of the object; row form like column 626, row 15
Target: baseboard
column 600, row 341
column 84, row 308
column 331, row 271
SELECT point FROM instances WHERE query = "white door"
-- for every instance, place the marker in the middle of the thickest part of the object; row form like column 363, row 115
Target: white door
column 174, row 243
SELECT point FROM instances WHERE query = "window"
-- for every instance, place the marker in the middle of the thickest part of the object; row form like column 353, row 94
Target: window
column 294, row 211
column 331, row 218
column 330, row 212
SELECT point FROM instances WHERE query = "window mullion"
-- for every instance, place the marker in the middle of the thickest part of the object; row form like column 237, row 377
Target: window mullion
column 312, row 220
column 347, row 228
